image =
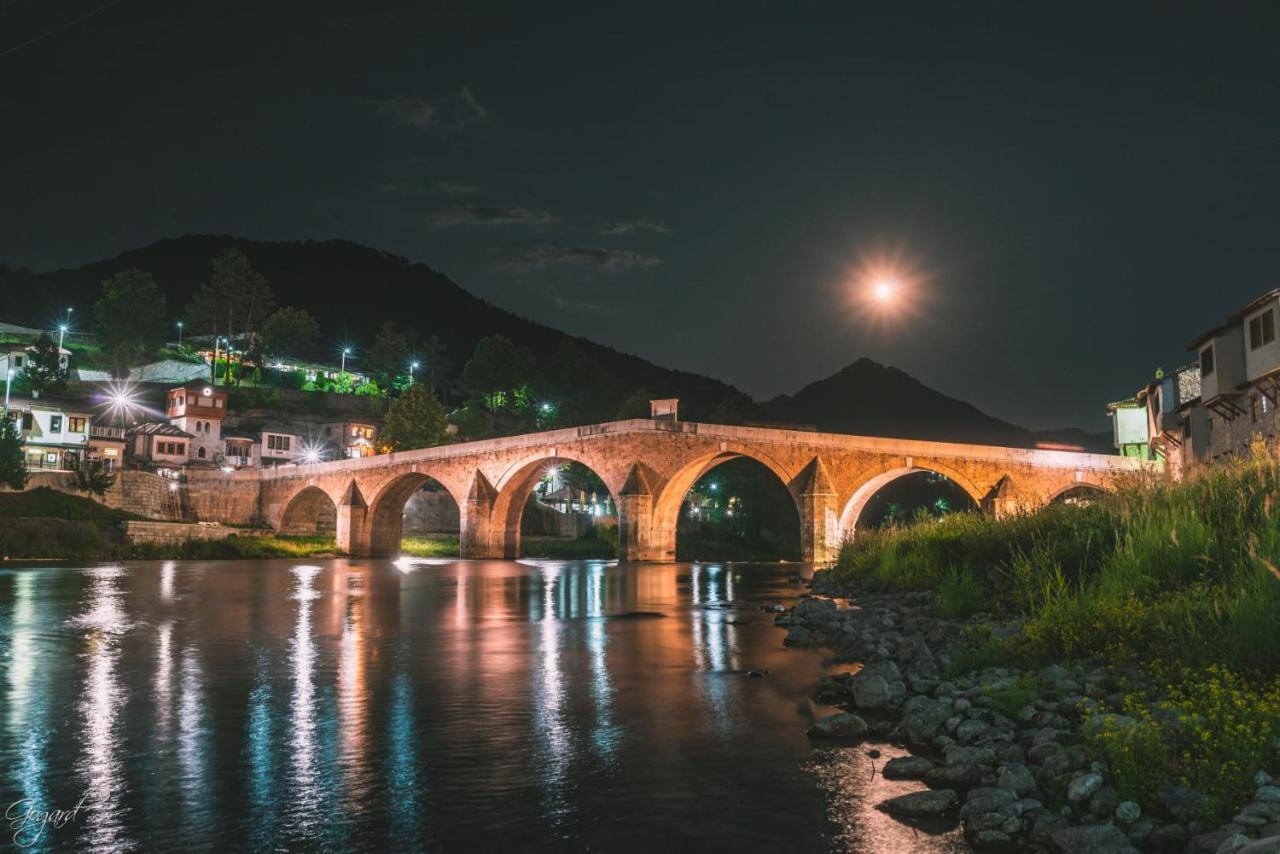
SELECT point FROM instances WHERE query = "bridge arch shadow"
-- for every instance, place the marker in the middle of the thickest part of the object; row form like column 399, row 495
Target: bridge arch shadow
column 865, row 499
column 574, row 501
column 416, row 503
column 1081, row 492
column 310, row 513
column 731, row 505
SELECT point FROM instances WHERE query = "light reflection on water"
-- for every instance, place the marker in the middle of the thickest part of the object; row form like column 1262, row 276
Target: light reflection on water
column 437, row 705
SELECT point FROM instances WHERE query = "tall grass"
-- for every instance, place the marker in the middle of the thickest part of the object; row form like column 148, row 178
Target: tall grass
column 1180, row 572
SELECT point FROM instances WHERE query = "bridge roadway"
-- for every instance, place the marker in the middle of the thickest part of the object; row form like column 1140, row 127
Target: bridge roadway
column 648, row 465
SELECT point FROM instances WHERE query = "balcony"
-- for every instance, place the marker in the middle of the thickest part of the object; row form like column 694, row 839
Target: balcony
column 96, row 432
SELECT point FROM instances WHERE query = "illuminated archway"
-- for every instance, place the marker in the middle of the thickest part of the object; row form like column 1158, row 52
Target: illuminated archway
column 387, row 509
column 560, row 516
column 1080, row 492
column 310, row 513
column 672, row 511
column 870, row 488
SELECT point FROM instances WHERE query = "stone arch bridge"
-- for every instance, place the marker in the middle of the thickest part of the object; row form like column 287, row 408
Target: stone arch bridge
column 648, row 466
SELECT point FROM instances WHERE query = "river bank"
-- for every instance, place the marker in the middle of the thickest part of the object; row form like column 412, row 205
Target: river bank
column 1016, row 753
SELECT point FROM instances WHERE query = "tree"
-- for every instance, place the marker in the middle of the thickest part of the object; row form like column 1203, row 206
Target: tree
column 44, row 368
column 388, row 358
column 92, row 476
column 498, row 374
column 636, row 405
column 290, row 331
column 13, row 463
column 235, row 301
column 129, row 319
column 438, row 367
column 415, row 420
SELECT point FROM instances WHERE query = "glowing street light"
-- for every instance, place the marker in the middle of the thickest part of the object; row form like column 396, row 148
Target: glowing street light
column 346, row 351
column 179, row 334
column 413, row 366
column 885, row 290
column 62, row 330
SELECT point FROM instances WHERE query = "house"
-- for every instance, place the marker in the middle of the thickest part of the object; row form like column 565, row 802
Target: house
column 108, row 445
column 55, row 431
column 241, row 449
column 18, row 357
column 1177, row 422
column 160, row 446
column 352, row 439
column 1129, row 430
column 1240, row 378
column 198, row 409
column 279, row 445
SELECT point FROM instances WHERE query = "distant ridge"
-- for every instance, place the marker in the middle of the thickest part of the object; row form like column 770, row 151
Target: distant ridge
column 352, row 289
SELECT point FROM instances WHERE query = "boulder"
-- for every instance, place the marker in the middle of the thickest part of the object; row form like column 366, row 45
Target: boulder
column 1092, row 839
column 922, row 718
column 931, row 803
column 870, row 691
column 1128, row 812
column 1182, row 802
column 953, row 776
column 1083, row 787
column 906, row 768
column 1016, row 777
column 840, row 725
column 957, row 754
column 815, row 611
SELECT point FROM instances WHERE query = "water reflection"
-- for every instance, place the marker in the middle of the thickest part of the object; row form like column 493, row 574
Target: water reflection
column 101, row 767
column 442, row 705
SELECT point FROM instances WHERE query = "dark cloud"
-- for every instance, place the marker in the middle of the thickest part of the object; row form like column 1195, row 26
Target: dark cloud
column 449, row 113
column 410, row 112
column 487, row 215
column 441, row 188
column 606, row 260
column 635, row 225
column 445, row 188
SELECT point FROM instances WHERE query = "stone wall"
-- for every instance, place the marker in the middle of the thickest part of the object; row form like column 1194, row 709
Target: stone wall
column 1233, row 438
column 218, row 497
column 431, row 513
column 139, row 492
column 179, row 532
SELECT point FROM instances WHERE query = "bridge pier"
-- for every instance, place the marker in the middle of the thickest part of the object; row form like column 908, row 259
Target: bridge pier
column 819, row 515
column 475, row 521
column 353, row 527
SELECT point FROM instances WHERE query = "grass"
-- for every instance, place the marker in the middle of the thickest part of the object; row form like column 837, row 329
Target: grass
column 437, row 546
column 598, row 542
column 1182, row 578
column 51, row 504
column 236, row 547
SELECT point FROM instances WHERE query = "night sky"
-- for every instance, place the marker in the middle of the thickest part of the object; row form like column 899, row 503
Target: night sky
column 1067, row 195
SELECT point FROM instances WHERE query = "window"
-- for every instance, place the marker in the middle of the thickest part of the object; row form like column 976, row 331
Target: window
column 55, row 423
column 197, row 426
column 200, row 453
column 1206, row 361
column 17, row 361
column 1262, row 330
column 75, row 424
column 26, row 421
column 217, row 403
column 181, row 448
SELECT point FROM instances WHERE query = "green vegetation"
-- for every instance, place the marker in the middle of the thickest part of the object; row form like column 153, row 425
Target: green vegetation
column 598, row 542
column 435, row 546
column 414, row 420
column 237, row 547
column 1212, row 731
column 129, row 320
column 13, row 463
column 47, row 503
column 1178, row 578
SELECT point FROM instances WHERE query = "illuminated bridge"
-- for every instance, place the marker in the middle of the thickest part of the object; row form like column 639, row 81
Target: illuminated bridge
column 648, row 466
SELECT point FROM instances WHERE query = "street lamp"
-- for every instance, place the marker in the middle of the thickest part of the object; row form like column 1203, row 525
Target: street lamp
column 179, row 334
column 62, row 330
column 346, row 351
column 413, row 366
column 8, row 381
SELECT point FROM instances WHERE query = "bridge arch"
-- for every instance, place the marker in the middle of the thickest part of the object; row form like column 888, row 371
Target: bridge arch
column 310, row 512
column 1080, row 489
column 387, row 507
column 516, row 485
column 669, row 501
column 872, row 485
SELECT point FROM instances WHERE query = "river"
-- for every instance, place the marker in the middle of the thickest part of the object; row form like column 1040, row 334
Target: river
column 432, row 705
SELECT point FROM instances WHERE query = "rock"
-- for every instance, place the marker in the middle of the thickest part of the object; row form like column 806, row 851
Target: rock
column 1083, row 787
column 1016, row 777
column 1207, row 843
column 906, row 768
column 886, row 669
column 1092, row 839
column 1095, row 724
column 1043, row 828
column 1233, row 843
column 869, row 692
column 1267, row 845
column 992, row 839
column 840, row 725
column 800, row 636
column 953, row 776
column 1267, row 793
column 1128, row 812
column 923, row 717
column 1167, row 837
column 1041, row 752
column 930, row 803
column 988, row 800
column 962, row 755
column 1262, row 778
column 1103, row 803
column 814, row 610
column 969, row 731
column 1182, row 803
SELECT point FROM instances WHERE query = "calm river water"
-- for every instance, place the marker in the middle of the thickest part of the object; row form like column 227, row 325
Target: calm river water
column 421, row 705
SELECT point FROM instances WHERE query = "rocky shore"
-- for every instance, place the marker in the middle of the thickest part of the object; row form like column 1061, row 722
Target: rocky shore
column 1001, row 749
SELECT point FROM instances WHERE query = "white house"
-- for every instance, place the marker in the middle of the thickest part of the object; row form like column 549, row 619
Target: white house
column 55, row 432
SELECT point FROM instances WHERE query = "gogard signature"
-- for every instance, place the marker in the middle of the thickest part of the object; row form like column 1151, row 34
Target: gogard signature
column 29, row 823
